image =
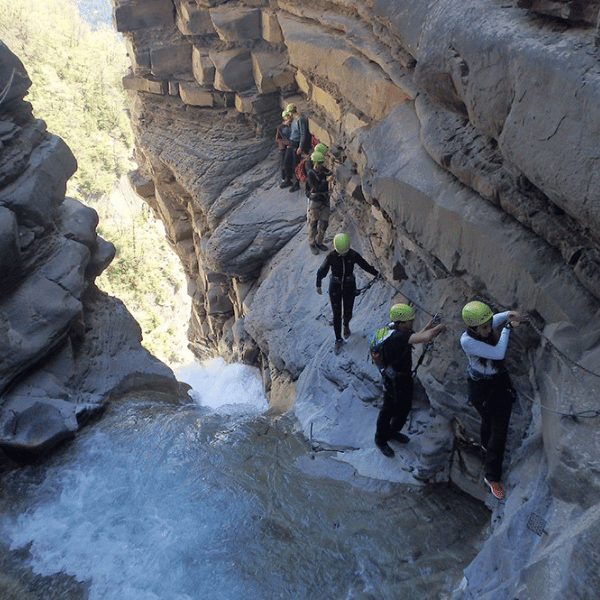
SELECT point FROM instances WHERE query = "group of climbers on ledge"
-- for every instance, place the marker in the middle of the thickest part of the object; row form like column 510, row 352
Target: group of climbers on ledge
column 294, row 140
column 484, row 342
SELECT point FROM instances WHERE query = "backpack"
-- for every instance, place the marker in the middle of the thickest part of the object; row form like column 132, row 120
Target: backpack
column 300, row 172
column 377, row 348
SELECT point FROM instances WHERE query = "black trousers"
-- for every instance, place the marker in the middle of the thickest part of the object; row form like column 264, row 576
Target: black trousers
column 342, row 296
column 291, row 161
column 397, row 402
column 493, row 398
column 283, row 157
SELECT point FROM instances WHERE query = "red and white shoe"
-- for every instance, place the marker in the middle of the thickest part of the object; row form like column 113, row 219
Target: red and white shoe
column 496, row 488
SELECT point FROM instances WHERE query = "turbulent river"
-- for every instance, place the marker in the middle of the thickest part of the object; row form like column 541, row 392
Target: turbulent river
column 213, row 500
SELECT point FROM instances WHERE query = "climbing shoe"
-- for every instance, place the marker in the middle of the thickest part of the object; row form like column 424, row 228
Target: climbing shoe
column 322, row 247
column 285, row 183
column 295, row 187
column 400, row 437
column 385, row 449
column 496, row 488
column 347, row 331
column 314, row 249
column 337, row 348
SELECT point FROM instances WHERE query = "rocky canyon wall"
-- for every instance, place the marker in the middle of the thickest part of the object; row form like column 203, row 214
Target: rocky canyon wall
column 464, row 138
column 65, row 347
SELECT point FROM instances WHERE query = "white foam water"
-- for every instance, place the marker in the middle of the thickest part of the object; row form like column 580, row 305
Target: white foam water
column 216, row 384
column 206, row 502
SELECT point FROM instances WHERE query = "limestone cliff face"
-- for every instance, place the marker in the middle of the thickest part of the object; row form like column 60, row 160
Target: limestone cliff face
column 65, row 347
column 464, row 138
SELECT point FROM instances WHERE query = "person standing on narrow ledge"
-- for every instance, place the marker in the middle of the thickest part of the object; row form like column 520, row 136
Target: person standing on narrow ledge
column 317, row 212
column 282, row 137
column 490, row 390
column 342, row 283
column 398, row 377
column 299, row 143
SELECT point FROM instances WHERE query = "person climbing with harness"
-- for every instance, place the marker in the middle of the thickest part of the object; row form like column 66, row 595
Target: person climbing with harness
column 299, row 143
column 490, row 390
column 396, row 348
column 282, row 137
column 342, row 283
column 317, row 214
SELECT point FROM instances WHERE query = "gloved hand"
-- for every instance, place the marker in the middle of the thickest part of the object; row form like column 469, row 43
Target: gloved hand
column 319, row 291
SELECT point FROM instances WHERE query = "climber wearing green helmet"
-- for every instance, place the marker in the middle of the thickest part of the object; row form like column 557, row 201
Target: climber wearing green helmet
column 490, row 389
column 321, row 150
column 342, row 283
column 398, row 376
column 317, row 214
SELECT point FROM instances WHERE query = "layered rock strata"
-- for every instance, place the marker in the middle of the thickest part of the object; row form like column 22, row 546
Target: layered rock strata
column 464, row 138
column 65, row 347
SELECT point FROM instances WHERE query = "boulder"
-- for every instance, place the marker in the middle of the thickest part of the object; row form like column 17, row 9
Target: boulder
column 271, row 72
column 203, row 67
column 36, row 426
column 256, row 103
column 171, row 59
column 193, row 20
column 236, row 24
column 271, row 31
column 132, row 15
column 78, row 222
column 194, row 94
column 233, row 70
column 36, row 195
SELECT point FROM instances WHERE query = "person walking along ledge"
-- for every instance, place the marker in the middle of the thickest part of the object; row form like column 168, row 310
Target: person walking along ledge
column 342, row 283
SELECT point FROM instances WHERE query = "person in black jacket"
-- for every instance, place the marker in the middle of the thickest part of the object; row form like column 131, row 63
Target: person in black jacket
column 398, row 376
column 282, row 137
column 342, row 283
column 317, row 191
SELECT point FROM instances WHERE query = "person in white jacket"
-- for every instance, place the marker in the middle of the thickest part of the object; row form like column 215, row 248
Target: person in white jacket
column 490, row 389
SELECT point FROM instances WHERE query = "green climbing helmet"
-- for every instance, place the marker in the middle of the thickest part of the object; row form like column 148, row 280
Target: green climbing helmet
column 401, row 312
column 476, row 313
column 317, row 157
column 322, row 148
column 341, row 243
column 290, row 107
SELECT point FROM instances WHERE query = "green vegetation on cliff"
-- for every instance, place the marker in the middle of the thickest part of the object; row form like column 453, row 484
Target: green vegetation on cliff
column 76, row 86
column 146, row 275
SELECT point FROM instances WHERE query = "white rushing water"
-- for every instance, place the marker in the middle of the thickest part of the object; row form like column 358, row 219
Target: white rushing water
column 207, row 501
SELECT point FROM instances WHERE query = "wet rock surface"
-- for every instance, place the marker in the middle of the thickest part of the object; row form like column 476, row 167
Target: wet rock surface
column 464, row 141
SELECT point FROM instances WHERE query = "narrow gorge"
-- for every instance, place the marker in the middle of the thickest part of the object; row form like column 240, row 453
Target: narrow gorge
column 464, row 137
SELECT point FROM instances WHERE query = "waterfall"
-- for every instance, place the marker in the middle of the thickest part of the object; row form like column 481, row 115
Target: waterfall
column 213, row 500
